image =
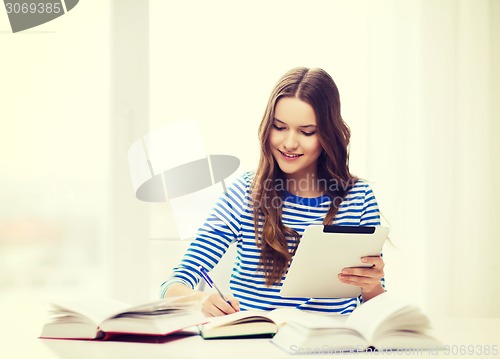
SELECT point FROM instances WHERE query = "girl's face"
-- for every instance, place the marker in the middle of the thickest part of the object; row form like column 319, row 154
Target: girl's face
column 293, row 138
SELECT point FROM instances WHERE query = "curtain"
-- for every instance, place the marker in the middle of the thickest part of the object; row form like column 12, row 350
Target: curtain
column 434, row 124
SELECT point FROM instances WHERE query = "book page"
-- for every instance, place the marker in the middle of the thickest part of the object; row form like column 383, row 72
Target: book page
column 281, row 316
column 94, row 309
column 369, row 316
column 235, row 318
column 319, row 321
column 164, row 306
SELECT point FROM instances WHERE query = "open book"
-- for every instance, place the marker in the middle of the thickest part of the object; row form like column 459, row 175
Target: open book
column 384, row 323
column 104, row 318
column 250, row 323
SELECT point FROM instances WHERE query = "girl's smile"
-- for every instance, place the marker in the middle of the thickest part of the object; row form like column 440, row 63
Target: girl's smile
column 290, row 156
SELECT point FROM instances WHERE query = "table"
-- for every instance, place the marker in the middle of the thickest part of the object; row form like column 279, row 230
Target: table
column 465, row 337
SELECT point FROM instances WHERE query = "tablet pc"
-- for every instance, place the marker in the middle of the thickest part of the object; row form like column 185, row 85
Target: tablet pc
column 323, row 252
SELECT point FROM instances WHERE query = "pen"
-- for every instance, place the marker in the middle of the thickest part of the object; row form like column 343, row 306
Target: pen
column 210, row 282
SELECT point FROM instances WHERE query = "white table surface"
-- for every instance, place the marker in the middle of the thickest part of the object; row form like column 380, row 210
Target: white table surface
column 458, row 333
column 22, row 316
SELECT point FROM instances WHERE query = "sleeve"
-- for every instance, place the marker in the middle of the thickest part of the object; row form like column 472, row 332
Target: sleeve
column 370, row 215
column 222, row 227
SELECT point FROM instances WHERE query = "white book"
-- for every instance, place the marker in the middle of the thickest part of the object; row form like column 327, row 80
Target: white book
column 249, row 323
column 384, row 323
column 103, row 319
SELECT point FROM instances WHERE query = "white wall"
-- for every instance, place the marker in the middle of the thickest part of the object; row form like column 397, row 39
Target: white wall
column 217, row 62
column 462, row 171
column 54, row 149
column 54, row 168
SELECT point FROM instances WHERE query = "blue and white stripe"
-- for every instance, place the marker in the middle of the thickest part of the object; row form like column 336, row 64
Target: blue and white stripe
column 231, row 220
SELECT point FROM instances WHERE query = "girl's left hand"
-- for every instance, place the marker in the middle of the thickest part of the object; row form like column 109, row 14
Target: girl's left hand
column 366, row 278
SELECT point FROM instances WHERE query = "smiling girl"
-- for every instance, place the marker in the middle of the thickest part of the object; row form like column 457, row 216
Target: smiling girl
column 303, row 178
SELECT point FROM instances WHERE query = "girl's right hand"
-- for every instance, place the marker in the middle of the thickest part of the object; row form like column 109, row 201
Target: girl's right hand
column 214, row 305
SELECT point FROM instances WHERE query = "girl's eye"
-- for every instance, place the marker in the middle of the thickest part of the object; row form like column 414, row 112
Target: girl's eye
column 278, row 128
column 308, row 133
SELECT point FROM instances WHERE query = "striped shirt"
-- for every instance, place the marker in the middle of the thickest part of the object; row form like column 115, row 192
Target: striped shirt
column 231, row 220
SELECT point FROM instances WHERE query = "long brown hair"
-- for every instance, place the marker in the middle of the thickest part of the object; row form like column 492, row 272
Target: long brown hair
column 315, row 87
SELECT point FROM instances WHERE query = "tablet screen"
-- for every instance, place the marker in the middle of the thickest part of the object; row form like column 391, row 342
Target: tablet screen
column 323, row 252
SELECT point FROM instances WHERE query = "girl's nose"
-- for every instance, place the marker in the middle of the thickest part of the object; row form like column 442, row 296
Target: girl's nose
column 291, row 142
